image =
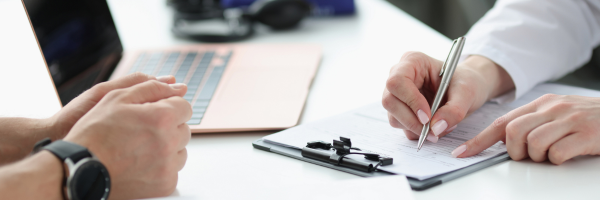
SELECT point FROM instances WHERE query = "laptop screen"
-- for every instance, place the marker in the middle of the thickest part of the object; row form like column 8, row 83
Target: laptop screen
column 79, row 42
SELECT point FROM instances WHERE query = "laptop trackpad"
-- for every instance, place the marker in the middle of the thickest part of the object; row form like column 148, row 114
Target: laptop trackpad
column 259, row 97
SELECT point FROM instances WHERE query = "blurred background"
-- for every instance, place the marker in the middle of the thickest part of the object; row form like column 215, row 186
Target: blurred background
column 454, row 18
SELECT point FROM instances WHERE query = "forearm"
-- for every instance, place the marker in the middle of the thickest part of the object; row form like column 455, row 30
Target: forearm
column 536, row 40
column 37, row 177
column 498, row 81
column 19, row 135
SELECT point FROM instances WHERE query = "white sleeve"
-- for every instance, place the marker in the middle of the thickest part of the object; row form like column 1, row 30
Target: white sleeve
column 536, row 40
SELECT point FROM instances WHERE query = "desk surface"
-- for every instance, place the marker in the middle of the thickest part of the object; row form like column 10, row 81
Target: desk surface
column 358, row 53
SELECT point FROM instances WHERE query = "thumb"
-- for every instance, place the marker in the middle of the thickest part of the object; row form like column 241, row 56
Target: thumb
column 460, row 100
column 152, row 91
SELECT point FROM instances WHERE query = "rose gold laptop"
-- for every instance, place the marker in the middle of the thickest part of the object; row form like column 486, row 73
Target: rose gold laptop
column 230, row 87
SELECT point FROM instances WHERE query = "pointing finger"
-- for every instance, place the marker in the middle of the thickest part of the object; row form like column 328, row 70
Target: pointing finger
column 492, row 134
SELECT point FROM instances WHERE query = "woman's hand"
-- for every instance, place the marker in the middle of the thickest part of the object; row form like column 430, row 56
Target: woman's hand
column 414, row 81
column 553, row 127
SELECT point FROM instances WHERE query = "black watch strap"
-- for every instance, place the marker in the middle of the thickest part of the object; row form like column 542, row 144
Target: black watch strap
column 64, row 150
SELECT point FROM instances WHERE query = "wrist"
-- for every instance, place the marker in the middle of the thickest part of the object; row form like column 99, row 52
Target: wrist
column 496, row 80
column 51, row 167
column 81, row 168
column 56, row 129
column 42, row 171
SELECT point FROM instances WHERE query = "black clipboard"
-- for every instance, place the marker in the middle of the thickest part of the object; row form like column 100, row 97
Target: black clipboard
column 414, row 183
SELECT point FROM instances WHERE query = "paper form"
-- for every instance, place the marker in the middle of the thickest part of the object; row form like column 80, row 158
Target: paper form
column 369, row 129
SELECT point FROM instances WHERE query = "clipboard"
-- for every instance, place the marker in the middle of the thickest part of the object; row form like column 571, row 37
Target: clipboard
column 415, row 184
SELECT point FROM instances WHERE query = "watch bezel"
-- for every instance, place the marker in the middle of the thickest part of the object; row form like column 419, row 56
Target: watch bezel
column 70, row 170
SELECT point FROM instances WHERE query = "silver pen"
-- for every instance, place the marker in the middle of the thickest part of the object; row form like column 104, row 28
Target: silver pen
column 446, row 73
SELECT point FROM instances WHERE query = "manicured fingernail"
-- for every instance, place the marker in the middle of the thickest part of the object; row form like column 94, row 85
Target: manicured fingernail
column 459, row 150
column 451, row 128
column 432, row 138
column 422, row 117
column 177, row 86
column 439, row 127
column 164, row 79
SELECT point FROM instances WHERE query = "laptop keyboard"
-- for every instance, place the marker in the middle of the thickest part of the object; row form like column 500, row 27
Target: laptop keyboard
column 200, row 70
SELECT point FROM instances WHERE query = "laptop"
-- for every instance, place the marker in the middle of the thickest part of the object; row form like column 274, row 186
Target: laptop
column 231, row 87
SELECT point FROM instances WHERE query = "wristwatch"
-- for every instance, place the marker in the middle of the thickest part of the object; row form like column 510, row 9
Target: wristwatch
column 86, row 178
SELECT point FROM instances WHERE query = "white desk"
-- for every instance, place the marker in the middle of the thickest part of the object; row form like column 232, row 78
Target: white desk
column 358, row 52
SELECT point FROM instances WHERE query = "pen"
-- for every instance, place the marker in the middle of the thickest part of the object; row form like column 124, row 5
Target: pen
column 446, row 73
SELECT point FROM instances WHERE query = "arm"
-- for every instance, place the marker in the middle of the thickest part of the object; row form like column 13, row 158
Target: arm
column 142, row 163
column 42, row 171
column 20, row 134
column 497, row 80
column 517, row 45
column 536, row 40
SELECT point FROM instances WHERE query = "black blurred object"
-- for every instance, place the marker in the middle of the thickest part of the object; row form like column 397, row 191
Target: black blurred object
column 319, row 145
column 279, row 14
column 206, row 21
column 79, row 41
column 196, row 9
column 342, row 148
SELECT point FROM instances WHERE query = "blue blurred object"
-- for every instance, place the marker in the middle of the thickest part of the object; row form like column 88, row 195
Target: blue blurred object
column 320, row 7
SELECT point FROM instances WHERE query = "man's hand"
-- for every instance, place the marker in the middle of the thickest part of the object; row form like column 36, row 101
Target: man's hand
column 20, row 134
column 64, row 120
column 553, row 127
column 139, row 133
column 414, row 81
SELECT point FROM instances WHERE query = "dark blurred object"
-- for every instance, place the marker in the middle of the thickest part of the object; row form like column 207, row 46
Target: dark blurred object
column 207, row 21
column 588, row 76
column 196, row 9
column 79, row 41
column 319, row 7
column 279, row 14
column 452, row 18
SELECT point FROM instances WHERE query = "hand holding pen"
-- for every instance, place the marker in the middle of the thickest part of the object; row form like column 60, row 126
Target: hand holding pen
column 413, row 84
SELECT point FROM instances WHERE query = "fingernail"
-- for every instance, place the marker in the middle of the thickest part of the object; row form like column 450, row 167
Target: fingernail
column 459, row 150
column 451, row 128
column 177, row 86
column 432, row 138
column 422, row 117
column 439, row 127
column 164, row 79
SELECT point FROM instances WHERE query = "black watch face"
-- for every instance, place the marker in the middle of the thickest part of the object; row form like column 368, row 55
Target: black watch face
column 90, row 181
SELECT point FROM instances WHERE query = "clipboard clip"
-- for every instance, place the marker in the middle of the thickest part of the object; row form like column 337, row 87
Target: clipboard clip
column 343, row 148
